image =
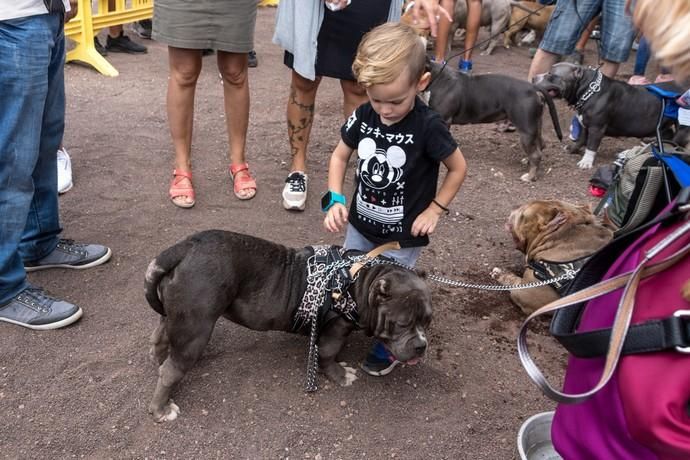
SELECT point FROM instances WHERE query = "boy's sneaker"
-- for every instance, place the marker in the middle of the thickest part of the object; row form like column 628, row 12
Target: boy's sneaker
column 379, row 361
column 295, row 191
column 575, row 128
column 465, row 66
column 123, row 44
column 252, row 60
column 35, row 309
column 100, row 48
column 143, row 28
column 69, row 254
column 64, row 169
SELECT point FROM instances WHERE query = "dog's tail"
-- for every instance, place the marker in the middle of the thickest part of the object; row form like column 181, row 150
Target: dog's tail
column 552, row 112
column 158, row 269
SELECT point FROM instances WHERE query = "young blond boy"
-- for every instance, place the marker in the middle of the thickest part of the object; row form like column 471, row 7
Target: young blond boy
column 400, row 143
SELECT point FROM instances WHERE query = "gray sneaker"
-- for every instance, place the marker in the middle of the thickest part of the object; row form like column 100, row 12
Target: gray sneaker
column 35, row 309
column 69, row 254
column 295, row 191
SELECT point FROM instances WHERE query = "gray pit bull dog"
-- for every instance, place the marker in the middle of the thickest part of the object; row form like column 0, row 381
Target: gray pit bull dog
column 260, row 285
column 462, row 99
column 608, row 107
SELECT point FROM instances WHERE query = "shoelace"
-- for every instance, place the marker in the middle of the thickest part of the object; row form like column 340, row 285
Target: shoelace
column 72, row 247
column 36, row 298
column 297, row 183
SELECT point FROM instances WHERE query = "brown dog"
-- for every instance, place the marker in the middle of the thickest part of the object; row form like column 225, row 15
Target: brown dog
column 555, row 236
column 521, row 17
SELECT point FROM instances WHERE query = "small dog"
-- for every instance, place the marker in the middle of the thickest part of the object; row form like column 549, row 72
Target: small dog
column 261, row 285
column 555, row 236
column 462, row 99
column 525, row 14
column 608, row 107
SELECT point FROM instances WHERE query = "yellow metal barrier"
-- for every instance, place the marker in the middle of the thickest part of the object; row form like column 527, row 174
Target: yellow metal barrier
column 83, row 28
column 268, row 3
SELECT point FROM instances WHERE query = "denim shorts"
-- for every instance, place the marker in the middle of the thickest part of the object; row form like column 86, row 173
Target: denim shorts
column 355, row 240
column 567, row 24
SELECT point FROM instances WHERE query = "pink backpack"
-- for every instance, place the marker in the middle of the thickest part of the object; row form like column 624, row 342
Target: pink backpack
column 626, row 393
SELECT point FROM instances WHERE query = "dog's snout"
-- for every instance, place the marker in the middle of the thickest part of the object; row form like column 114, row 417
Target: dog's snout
column 420, row 346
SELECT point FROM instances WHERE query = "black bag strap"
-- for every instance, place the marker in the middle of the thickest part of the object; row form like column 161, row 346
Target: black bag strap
column 657, row 335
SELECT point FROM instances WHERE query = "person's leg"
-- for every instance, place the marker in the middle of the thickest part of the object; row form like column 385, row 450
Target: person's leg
column 642, row 57
column 541, row 63
column 118, row 42
column 443, row 40
column 24, row 92
column 184, row 66
column 617, row 35
column 474, row 15
column 234, row 70
column 300, row 116
column 353, row 96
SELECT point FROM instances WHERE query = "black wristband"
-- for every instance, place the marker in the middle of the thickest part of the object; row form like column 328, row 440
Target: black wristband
column 446, row 210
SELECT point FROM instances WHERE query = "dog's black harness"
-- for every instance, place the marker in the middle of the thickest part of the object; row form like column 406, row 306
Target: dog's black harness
column 326, row 295
column 547, row 270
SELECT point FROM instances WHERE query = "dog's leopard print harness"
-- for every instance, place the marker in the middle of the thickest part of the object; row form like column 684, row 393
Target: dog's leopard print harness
column 546, row 270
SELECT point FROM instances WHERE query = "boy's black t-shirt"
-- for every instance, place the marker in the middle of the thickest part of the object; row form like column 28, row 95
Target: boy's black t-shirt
column 397, row 171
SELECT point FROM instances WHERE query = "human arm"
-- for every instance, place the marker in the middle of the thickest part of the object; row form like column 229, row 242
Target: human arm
column 432, row 11
column 336, row 216
column 73, row 9
column 426, row 222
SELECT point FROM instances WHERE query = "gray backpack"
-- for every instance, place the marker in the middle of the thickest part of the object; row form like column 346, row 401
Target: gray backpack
column 642, row 186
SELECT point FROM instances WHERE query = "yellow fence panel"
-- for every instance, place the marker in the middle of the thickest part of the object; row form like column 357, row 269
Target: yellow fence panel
column 86, row 25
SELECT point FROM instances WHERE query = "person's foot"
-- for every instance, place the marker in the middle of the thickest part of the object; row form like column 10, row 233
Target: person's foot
column 100, row 48
column 379, row 361
column 35, row 309
column 64, row 171
column 143, row 28
column 123, row 44
column 638, row 80
column 465, row 67
column 252, row 59
column 575, row 128
column 68, row 254
column 295, row 191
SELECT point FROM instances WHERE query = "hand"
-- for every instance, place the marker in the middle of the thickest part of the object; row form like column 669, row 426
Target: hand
column 336, row 218
column 74, row 8
column 425, row 223
column 432, row 11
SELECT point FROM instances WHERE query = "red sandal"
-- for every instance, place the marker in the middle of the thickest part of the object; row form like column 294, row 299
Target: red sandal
column 181, row 190
column 243, row 183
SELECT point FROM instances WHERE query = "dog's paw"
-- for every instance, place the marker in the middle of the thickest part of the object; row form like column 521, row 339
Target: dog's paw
column 587, row 161
column 350, row 375
column 168, row 413
column 528, row 177
column 496, row 273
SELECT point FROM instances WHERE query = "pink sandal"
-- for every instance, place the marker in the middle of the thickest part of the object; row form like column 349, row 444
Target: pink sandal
column 181, row 190
column 244, row 182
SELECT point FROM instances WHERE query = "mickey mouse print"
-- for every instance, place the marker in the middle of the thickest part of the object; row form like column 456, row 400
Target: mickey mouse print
column 397, row 170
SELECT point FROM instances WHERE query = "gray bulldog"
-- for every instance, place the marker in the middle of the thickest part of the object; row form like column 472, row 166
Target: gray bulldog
column 462, row 99
column 607, row 107
column 261, row 285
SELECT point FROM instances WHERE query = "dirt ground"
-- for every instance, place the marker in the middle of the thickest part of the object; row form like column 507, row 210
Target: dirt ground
column 82, row 391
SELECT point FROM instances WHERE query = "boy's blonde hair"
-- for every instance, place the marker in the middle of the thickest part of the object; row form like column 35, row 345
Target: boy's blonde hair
column 666, row 24
column 387, row 51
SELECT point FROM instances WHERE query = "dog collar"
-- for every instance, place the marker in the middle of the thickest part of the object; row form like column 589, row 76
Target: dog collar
column 546, row 269
column 593, row 88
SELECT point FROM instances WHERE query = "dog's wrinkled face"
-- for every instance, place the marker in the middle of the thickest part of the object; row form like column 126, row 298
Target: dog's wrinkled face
column 560, row 80
column 401, row 312
column 535, row 217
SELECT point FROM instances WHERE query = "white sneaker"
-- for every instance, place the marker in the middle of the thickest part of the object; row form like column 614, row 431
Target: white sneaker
column 64, row 168
column 295, row 191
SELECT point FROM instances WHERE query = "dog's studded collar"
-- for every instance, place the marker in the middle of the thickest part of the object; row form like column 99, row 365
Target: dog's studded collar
column 593, row 88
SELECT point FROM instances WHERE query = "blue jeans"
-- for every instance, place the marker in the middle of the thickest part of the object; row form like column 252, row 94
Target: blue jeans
column 357, row 241
column 570, row 18
column 642, row 57
column 32, row 122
